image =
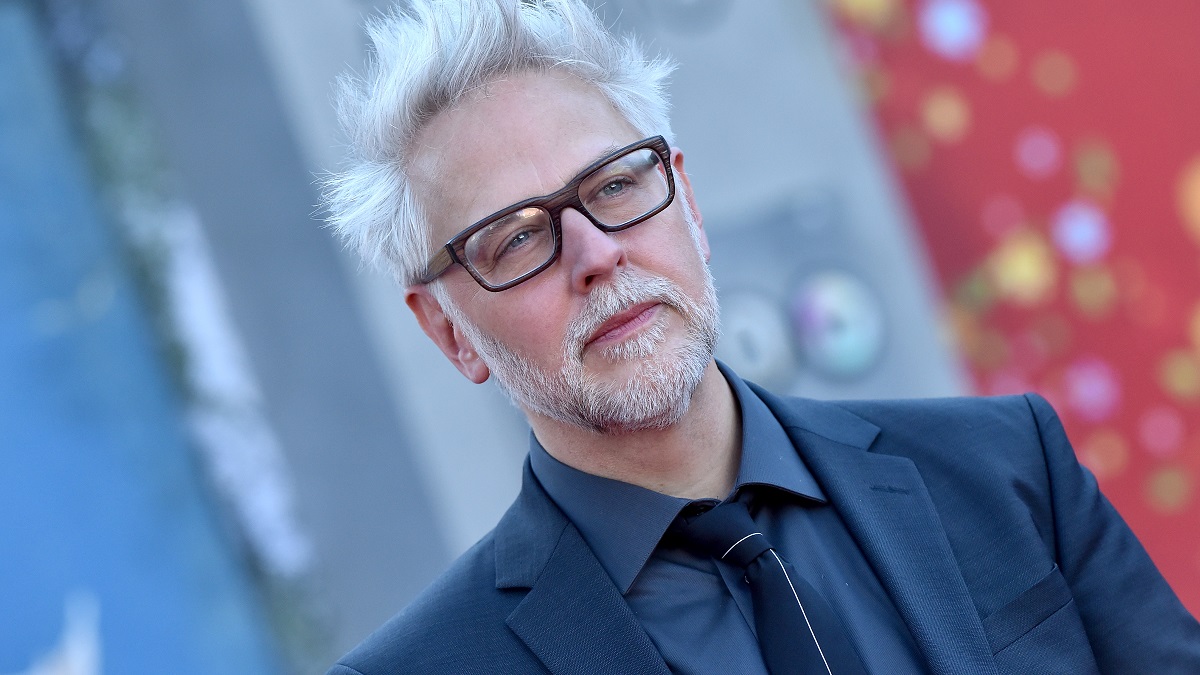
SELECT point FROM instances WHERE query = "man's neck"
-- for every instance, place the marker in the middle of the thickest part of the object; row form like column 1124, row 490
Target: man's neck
column 697, row 457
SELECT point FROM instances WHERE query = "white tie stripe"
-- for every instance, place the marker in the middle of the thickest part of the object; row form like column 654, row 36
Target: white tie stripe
column 802, row 612
column 735, row 544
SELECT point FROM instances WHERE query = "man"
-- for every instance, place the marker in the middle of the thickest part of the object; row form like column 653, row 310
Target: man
column 514, row 168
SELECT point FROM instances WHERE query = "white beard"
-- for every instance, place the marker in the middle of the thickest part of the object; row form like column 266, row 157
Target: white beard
column 655, row 397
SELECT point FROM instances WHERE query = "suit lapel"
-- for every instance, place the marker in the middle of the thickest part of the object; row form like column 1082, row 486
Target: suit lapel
column 887, row 509
column 573, row 618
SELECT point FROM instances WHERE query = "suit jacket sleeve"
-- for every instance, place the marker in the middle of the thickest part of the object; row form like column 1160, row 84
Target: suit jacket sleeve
column 1134, row 621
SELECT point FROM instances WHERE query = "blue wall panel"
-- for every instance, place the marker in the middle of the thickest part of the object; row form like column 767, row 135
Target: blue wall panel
column 102, row 502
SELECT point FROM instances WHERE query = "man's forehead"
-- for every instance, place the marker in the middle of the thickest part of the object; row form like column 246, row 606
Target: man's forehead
column 519, row 137
column 432, row 168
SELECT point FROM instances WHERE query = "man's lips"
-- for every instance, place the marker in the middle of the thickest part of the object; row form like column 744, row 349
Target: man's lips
column 623, row 323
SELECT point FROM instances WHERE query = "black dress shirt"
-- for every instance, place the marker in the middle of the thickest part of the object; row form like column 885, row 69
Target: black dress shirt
column 696, row 610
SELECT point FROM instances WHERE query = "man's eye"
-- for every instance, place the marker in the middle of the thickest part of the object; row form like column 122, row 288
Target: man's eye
column 516, row 243
column 614, row 187
column 517, row 240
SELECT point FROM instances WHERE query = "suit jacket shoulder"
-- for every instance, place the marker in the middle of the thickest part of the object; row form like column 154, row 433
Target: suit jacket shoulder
column 983, row 460
column 459, row 623
column 454, row 625
column 1031, row 533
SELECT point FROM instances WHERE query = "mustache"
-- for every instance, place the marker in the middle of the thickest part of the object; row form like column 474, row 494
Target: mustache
column 627, row 289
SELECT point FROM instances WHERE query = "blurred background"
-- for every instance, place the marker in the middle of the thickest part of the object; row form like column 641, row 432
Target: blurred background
column 226, row 447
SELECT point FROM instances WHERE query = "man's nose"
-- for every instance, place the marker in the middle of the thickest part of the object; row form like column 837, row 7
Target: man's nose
column 591, row 254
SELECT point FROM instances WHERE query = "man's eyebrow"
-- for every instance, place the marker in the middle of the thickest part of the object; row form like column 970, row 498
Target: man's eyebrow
column 599, row 156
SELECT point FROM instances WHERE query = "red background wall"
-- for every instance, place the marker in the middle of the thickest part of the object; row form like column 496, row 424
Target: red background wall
column 1051, row 154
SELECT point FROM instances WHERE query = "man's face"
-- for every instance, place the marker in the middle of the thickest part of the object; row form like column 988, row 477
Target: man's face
column 618, row 332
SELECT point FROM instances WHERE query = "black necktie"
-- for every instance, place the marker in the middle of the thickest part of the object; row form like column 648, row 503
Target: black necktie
column 798, row 632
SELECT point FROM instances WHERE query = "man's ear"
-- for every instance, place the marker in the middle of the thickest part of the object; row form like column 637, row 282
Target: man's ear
column 684, row 187
column 453, row 343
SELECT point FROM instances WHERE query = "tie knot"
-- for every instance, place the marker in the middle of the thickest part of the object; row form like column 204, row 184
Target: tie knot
column 726, row 532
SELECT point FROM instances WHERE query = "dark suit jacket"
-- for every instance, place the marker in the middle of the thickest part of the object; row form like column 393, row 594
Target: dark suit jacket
column 997, row 548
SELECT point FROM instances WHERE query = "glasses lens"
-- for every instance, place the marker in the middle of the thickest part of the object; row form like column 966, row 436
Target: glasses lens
column 511, row 246
column 626, row 188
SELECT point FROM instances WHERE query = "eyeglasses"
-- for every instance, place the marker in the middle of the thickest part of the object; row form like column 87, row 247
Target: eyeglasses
column 514, row 244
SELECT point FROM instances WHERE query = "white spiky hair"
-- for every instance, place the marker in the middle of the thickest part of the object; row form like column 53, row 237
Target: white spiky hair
column 424, row 59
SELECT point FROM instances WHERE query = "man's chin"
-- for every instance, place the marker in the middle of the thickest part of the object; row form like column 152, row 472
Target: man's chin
column 641, row 394
column 613, row 424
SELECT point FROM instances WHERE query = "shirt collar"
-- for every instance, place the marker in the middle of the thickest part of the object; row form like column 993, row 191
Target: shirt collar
column 768, row 456
column 623, row 523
